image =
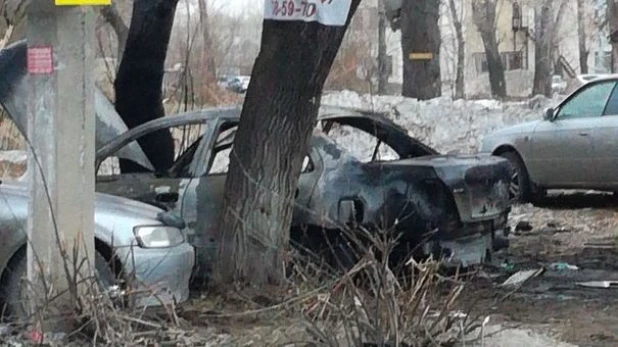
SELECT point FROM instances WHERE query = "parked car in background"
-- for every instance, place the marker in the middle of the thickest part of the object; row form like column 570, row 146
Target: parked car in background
column 572, row 147
column 224, row 81
column 239, row 84
column 413, row 189
column 134, row 243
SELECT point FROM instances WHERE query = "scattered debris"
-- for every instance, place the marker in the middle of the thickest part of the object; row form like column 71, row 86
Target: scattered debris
column 598, row 284
column 521, row 277
column 508, row 267
column 563, row 266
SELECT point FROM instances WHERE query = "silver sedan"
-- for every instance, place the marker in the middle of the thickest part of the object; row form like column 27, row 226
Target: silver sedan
column 573, row 146
column 134, row 242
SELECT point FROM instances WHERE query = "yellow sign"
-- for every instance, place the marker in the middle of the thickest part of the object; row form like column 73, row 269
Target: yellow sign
column 421, row 56
column 82, row 2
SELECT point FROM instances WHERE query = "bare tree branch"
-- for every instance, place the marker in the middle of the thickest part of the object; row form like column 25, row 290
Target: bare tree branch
column 111, row 15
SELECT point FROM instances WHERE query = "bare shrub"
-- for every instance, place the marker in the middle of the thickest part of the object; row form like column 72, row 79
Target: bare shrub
column 371, row 304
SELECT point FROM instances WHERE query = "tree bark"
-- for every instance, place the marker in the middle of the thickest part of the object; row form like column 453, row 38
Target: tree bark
column 612, row 19
column 420, row 33
column 484, row 16
column 581, row 34
column 382, row 54
column 461, row 51
column 277, row 120
column 543, row 50
column 140, row 76
column 207, row 60
column 114, row 19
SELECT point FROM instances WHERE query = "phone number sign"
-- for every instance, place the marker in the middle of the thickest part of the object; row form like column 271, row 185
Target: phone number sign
column 326, row 12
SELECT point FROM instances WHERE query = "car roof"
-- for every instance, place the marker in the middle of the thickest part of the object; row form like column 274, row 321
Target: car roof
column 602, row 77
column 392, row 134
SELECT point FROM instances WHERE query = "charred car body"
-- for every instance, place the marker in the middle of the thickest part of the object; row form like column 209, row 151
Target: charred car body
column 463, row 200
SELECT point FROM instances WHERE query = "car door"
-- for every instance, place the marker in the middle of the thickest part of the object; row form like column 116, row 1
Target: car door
column 605, row 156
column 562, row 148
column 164, row 189
column 206, row 201
column 210, row 186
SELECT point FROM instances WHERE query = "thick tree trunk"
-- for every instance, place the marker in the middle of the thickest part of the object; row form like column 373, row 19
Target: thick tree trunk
column 420, row 33
column 140, row 75
column 207, row 61
column 484, row 16
column 612, row 19
column 543, row 50
column 461, row 51
column 497, row 80
column 276, row 123
column 113, row 18
column 581, row 34
column 382, row 54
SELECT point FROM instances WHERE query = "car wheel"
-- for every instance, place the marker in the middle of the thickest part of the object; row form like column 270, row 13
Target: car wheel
column 14, row 288
column 519, row 188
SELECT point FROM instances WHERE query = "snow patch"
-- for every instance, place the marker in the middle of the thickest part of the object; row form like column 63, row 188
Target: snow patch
column 442, row 123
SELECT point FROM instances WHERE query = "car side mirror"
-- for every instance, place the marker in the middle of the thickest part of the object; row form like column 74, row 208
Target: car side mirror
column 549, row 114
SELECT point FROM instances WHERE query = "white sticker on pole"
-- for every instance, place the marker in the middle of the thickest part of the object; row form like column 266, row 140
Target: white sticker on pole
column 326, row 12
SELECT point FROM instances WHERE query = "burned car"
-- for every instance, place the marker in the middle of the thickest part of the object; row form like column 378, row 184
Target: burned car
column 451, row 206
column 464, row 199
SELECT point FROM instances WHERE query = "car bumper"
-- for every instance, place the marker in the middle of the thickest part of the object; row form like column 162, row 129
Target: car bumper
column 159, row 276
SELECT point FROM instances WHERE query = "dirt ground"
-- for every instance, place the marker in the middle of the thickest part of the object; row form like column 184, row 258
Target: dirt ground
column 575, row 229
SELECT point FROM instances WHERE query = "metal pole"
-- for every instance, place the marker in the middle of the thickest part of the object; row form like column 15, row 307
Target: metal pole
column 61, row 126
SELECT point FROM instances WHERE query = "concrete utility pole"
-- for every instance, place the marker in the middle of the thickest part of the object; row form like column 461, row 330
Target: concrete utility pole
column 61, row 124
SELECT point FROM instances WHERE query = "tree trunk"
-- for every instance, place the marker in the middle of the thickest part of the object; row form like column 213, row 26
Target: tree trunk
column 382, row 54
column 140, row 76
column 207, row 61
column 543, row 50
column 113, row 18
column 277, row 120
column 461, row 51
column 581, row 34
column 612, row 19
column 420, row 33
column 484, row 16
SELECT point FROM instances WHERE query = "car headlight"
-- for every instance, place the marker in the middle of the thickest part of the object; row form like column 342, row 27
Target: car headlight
column 158, row 236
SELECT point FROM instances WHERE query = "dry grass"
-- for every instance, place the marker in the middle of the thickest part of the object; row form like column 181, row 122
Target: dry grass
column 366, row 305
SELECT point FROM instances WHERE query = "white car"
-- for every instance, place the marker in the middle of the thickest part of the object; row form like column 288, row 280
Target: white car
column 239, row 84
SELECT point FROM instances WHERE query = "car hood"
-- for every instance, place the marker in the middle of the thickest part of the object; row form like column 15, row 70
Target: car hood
column 104, row 204
column 14, row 99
